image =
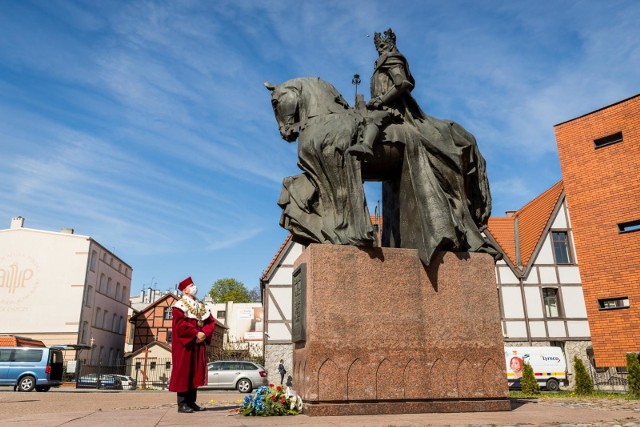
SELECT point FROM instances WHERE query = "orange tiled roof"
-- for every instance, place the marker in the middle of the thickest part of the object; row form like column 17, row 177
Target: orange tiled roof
column 532, row 220
column 503, row 231
column 275, row 258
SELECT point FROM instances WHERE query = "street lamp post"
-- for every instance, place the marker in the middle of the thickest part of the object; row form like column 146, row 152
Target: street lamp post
column 356, row 81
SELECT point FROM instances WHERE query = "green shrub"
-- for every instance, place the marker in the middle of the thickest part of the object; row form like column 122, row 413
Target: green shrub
column 633, row 377
column 528, row 381
column 584, row 385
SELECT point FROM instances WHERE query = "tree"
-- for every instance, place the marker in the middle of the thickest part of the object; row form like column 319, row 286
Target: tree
column 528, row 381
column 228, row 289
column 255, row 296
column 584, row 385
column 633, row 376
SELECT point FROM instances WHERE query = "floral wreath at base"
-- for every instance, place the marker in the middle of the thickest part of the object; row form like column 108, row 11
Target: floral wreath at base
column 272, row 400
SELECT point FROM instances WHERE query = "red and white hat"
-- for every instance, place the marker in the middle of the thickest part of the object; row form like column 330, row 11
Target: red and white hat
column 183, row 285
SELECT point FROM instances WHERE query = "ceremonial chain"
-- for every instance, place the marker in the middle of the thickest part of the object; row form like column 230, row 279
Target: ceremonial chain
column 197, row 311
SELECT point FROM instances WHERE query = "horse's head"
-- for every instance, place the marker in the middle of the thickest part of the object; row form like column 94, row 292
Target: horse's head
column 297, row 100
column 284, row 100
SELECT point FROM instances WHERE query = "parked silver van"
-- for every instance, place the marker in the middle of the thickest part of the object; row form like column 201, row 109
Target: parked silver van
column 29, row 368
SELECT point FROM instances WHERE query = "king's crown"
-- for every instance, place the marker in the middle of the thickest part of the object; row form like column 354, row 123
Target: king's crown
column 388, row 38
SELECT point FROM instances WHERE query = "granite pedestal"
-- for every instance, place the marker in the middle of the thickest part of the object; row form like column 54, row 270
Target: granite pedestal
column 376, row 332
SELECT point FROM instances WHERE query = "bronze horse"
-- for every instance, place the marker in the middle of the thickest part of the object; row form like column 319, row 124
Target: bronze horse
column 435, row 191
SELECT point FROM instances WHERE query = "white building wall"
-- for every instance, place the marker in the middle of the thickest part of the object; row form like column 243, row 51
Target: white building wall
column 57, row 292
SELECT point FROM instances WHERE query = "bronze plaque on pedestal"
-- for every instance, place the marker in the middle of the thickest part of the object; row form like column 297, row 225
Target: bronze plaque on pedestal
column 299, row 304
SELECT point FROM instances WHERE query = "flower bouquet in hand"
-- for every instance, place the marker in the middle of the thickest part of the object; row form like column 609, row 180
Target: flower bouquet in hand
column 272, row 400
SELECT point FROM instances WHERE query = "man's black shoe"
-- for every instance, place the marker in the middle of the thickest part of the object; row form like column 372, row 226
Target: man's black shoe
column 185, row 409
column 197, row 408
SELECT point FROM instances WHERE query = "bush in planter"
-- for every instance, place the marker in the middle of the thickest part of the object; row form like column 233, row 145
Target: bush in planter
column 633, row 376
column 528, row 381
column 584, row 385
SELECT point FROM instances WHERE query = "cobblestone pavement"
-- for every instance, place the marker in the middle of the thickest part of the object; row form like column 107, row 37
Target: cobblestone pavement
column 158, row 408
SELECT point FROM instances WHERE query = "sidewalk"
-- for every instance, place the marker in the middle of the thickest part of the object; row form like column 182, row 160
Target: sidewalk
column 65, row 407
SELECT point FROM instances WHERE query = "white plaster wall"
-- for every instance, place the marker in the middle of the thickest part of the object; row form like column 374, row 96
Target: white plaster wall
column 569, row 274
column 282, row 276
column 516, row 329
column 532, row 278
column 548, row 275
column 42, row 276
column 560, row 221
column 537, row 329
column 556, row 329
column 294, row 252
column 534, row 303
column 506, row 276
column 512, row 302
column 279, row 332
column 573, row 302
column 578, row 328
column 283, row 296
column 545, row 256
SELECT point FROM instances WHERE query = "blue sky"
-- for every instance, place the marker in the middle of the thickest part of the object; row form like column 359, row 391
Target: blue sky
column 145, row 124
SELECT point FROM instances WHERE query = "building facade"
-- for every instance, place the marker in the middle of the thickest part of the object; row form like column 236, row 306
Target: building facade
column 600, row 159
column 63, row 288
column 538, row 279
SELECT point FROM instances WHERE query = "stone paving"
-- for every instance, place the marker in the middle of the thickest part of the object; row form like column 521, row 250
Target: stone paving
column 143, row 408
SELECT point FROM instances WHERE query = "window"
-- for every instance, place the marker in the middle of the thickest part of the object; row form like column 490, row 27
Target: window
column 168, row 313
column 88, row 296
column 92, row 262
column 118, row 296
column 27, row 356
column 101, row 285
column 98, row 318
column 138, row 366
column 152, row 365
column 607, row 140
column 221, row 314
column 613, row 303
column 105, row 320
column 109, row 286
column 550, row 300
column 169, row 336
column 121, row 326
column 560, row 241
column 83, row 336
column 114, row 323
column 628, row 227
column 167, row 365
column 124, row 294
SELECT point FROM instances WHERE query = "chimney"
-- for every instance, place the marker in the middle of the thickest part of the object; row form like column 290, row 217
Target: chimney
column 510, row 214
column 66, row 230
column 17, row 222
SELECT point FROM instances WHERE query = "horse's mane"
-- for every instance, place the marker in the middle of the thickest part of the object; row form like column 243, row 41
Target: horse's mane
column 316, row 97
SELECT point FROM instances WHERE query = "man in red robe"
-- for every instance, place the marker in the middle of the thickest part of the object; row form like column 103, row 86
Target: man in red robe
column 192, row 327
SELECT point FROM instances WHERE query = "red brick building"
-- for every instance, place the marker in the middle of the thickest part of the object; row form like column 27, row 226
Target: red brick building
column 600, row 160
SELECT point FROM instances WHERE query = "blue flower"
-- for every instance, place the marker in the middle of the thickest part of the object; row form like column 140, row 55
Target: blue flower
column 247, row 400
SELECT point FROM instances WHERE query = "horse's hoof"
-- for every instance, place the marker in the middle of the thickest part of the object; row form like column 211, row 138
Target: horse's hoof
column 361, row 152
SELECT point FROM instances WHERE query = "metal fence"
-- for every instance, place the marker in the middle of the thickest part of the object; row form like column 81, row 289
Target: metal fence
column 609, row 379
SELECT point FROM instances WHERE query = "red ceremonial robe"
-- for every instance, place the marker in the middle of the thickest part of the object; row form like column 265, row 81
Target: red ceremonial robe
column 189, row 359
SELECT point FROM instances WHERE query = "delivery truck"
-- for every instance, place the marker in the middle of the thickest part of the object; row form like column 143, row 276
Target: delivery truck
column 548, row 363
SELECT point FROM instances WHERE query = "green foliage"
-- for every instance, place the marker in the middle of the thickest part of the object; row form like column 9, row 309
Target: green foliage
column 255, row 296
column 584, row 385
column 633, row 376
column 228, row 289
column 528, row 381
